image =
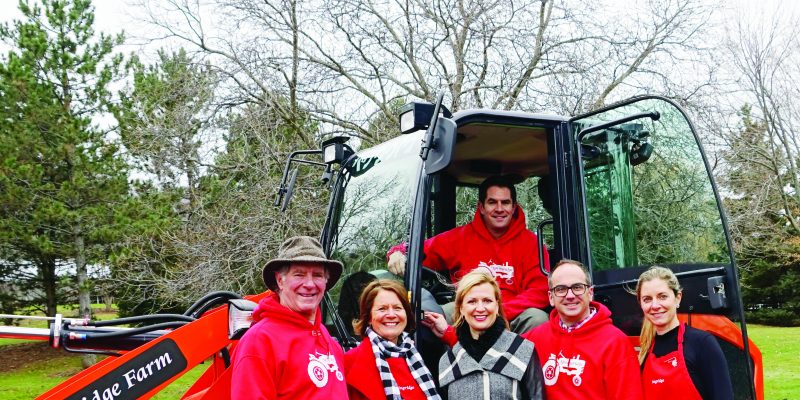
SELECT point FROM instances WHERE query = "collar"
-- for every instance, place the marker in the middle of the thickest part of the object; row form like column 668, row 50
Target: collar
column 570, row 328
column 477, row 348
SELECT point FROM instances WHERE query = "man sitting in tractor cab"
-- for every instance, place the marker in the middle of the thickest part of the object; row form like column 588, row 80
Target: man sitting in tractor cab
column 496, row 239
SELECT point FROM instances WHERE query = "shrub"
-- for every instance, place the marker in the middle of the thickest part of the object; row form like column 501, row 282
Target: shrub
column 773, row 316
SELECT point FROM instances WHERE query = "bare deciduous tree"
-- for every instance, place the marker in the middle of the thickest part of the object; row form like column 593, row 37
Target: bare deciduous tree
column 345, row 60
column 292, row 71
column 762, row 157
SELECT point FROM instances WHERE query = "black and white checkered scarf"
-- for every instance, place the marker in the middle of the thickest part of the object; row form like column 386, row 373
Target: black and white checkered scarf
column 384, row 349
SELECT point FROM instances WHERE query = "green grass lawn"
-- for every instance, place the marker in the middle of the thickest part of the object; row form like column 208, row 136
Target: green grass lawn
column 780, row 349
column 4, row 342
column 39, row 377
column 36, row 378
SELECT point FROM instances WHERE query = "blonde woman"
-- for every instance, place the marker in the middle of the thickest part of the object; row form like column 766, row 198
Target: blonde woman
column 488, row 361
column 677, row 361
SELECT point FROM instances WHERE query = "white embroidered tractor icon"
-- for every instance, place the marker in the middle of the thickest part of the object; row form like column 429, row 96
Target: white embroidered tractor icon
column 320, row 365
column 500, row 272
column 571, row 366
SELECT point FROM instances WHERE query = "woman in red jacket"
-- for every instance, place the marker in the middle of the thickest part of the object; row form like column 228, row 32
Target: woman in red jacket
column 677, row 361
column 386, row 365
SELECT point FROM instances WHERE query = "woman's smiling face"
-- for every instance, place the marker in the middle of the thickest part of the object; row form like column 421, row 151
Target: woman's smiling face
column 387, row 316
column 479, row 308
column 659, row 304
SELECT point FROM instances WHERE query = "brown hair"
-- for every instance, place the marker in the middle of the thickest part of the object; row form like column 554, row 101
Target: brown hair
column 367, row 299
column 648, row 330
column 467, row 283
column 572, row 262
column 501, row 181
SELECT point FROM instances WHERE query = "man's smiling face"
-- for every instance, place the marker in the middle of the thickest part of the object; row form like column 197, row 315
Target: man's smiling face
column 571, row 308
column 302, row 287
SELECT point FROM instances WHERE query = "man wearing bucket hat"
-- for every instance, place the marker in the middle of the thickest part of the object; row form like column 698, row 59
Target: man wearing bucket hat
column 287, row 353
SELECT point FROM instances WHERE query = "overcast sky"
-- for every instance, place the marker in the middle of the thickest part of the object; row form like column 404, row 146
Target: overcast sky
column 111, row 16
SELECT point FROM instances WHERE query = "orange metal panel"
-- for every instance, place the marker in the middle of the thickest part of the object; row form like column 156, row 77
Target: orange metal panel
column 725, row 329
column 196, row 342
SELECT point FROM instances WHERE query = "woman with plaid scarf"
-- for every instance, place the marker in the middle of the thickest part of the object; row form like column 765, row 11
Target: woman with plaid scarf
column 488, row 361
column 386, row 365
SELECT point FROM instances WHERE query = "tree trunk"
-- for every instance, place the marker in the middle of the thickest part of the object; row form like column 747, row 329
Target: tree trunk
column 84, row 298
column 47, row 273
column 109, row 300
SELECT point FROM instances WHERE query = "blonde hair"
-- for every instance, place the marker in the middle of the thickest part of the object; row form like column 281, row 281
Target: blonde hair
column 468, row 282
column 648, row 330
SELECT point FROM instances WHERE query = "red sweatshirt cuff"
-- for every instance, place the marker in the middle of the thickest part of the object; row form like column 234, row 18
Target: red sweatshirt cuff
column 449, row 338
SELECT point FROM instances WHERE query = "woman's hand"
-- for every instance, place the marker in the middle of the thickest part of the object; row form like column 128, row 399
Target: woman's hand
column 435, row 322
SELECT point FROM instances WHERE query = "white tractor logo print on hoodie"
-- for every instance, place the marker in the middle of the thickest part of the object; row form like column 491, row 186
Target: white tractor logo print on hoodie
column 319, row 366
column 571, row 366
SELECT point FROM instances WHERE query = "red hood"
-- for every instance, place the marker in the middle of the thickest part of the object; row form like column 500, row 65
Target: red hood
column 601, row 318
column 270, row 307
column 517, row 225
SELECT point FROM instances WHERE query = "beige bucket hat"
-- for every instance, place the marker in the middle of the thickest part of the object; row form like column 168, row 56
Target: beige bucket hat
column 298, row 249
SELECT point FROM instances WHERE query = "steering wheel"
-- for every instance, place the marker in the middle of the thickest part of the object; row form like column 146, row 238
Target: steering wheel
column 439, row 285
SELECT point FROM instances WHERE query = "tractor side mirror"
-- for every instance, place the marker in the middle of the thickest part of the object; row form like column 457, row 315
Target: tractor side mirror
column 444, row 141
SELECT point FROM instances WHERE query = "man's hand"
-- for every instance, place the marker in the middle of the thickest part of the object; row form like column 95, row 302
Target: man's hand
column 397, row 263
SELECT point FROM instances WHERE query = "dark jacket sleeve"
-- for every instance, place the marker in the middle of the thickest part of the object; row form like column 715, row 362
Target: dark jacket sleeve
column 712, row 370
column 532, row 380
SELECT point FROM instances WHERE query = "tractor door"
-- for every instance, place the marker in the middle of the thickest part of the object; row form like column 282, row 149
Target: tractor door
column 370, row 211
column 648, row 198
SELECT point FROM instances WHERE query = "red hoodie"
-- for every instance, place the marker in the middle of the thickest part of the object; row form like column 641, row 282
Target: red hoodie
column 595, row 361
column 513, row 257
column 283, row 356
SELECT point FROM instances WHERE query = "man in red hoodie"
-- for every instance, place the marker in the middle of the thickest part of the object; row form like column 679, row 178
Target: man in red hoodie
column 583, row 355
column 498, row 240
column 287, row 353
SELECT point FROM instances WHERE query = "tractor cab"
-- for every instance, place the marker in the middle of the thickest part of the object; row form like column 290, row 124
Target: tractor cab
column 620, row 190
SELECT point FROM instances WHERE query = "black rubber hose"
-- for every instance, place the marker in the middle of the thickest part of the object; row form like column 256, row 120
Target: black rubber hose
column 142, row 318
column 122, row 333
column 209, row 305
column 205, row 299
column 226, row 356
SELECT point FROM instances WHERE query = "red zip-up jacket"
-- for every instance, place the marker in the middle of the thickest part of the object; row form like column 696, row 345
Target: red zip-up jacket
column 284, row 356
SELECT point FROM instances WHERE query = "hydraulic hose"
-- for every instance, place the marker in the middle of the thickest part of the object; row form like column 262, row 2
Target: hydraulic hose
column 122, row 333
column 202, row 304
column 142, row 318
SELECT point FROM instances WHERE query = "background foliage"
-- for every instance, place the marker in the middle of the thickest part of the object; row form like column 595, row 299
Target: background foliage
column 160, row 189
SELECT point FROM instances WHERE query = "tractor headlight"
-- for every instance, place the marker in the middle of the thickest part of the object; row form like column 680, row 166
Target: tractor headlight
column 335, row 150
column 239, row 317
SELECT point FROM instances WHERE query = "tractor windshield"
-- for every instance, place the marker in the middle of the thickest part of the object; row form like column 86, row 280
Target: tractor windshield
column 373, row 213
column 649, row 199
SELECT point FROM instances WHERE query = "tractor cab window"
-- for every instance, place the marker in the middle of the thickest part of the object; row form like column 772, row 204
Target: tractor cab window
column 527, row 196
column 372, row 215
column 517, row 147
column 648, row 196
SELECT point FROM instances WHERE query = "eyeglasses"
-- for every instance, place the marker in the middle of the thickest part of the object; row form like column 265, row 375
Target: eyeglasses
column 577, row 289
